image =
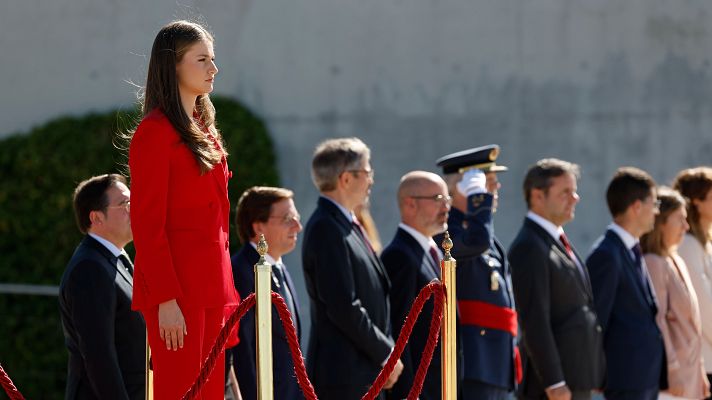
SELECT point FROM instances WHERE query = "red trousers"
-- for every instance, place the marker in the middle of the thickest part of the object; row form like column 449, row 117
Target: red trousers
column 175, row 371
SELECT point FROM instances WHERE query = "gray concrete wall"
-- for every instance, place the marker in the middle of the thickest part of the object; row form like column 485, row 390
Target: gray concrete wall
column 602, row 83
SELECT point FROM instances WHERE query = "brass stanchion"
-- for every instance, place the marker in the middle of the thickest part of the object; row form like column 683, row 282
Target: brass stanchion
column 449, row 336
column 149, row 372
column 263, row 323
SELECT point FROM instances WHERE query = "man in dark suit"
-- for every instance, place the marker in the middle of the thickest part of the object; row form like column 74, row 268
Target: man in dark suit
column 412, row 260
column 488, row 322
column 625, row 300
column 267, row 211
column 348, row 287
column 563, row 342
column 105, row 338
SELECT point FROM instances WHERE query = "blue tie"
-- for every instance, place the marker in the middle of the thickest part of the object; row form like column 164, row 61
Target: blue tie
column 637, row 251
column 284, row 289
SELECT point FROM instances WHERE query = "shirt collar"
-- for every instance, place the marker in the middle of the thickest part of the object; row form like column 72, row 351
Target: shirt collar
column 628, row 240
column 268, row 257
column 553, row 230
column 424, row 241
column 347, row 213
column 110, row 246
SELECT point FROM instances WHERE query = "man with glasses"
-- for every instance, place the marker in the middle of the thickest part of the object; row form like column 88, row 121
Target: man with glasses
column 412, row 260
column 488, row 322
column 623, row 293
column 106, row 340
column 267, row 211
column 350, row 338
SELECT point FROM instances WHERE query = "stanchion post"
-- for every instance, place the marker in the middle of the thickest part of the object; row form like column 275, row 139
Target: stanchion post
column 149, row 372
column 449, row 336
column 263, row 323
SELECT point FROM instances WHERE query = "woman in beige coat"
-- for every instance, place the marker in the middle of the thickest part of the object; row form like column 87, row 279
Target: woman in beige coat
column 696, row 247
column 678, row 313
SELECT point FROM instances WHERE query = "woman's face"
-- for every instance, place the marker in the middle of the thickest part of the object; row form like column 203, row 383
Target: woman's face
column 704, row 206
column 674, row 228
column 196, row 70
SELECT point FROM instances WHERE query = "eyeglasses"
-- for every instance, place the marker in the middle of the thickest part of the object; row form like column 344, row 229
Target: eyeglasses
column 368, row 172
column 438, row 197
column 126, row 205
column 288, row 219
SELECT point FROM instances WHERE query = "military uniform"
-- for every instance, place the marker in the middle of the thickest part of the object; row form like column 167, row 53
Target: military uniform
column 488, row 320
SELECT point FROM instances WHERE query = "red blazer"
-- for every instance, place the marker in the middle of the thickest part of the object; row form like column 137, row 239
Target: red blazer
column 179, row 220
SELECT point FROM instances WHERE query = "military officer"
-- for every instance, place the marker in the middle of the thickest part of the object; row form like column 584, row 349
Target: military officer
column 487, row 319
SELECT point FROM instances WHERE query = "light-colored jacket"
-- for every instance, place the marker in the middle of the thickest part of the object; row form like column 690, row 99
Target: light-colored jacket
column 679, row 321
column 699, row 264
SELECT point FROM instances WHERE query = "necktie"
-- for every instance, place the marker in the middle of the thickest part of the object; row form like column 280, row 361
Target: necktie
column 436, row 259
column 565, row 241
column 570, row 251
column 126, row 263
column 638, row 253
column 284, row 289
column 361, row 233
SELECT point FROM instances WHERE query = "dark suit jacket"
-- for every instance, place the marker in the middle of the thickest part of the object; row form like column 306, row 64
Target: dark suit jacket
column 243, row 355
column 350, row 312
column 410, row 268
column 626, row 309
column 488, row 353
column 105, row 339
column 561, row 334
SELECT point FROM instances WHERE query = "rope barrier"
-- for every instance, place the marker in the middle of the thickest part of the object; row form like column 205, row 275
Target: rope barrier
column 297, row 359
column 425, row 293
column 220, row 341
column 435, row 287
column 9, row 387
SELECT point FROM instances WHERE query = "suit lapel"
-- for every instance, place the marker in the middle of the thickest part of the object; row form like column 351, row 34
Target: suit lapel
column 631, row 269
column 110, row 259
column 339, row 216
column 252, row 258
column 427, row 264
column 563, row 255
column 219, row 174
column 295, row 301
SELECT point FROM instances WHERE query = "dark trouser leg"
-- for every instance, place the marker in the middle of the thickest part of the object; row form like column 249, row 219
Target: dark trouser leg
column 475, row 390
column 581, row 395
column 650, row 394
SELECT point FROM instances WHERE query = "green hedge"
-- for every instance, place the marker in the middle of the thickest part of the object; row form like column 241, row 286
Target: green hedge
column 38, row 172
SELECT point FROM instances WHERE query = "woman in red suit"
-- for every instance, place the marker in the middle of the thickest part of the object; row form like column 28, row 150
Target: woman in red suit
column 183, row 281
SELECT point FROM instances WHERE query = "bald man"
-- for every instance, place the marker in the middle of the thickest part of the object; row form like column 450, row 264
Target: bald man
column 412, row 260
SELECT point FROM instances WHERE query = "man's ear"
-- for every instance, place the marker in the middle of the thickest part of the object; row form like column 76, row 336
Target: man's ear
column 344, row 178
column 258, row 228
column 410, row 203
column 636, row 206
column 96, row 217
column 536, row 194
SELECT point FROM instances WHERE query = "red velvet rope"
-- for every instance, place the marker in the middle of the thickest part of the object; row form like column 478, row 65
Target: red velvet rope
column 9, row 387
column 297, row 359
column 306, row 386
column 435, row 324
column 218, row 346
column 425, row 293
column 435, row 287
